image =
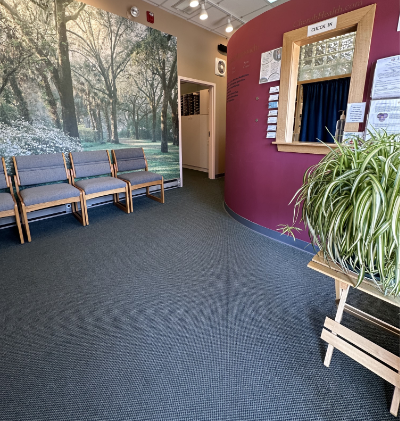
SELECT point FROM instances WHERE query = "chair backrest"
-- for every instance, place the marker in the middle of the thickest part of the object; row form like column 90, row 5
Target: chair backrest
column 91, row 163
column 3, row 175
column 129, row 159
column 38, row 169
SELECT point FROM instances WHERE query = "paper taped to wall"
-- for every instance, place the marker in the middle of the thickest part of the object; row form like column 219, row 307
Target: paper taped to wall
column 274, row 89
column 271, row 135
column 272, row 112
column 271, row 66
column 272, row 120
column 384, row 114
column 355, row 112
column 386, row 78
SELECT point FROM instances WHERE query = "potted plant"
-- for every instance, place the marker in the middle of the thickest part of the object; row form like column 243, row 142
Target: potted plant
column 350, row 205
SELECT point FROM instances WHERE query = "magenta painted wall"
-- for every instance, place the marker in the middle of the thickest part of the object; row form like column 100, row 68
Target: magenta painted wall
column 259, row 181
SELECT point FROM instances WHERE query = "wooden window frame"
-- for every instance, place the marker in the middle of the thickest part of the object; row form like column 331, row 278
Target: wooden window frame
column 360, row 20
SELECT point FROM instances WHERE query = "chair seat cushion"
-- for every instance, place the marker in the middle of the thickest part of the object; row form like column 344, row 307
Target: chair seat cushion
column 6, row 202
column 140, row 177
column 49, row 193
column 100, row 184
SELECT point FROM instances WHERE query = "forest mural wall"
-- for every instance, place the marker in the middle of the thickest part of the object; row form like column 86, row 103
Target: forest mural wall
column 74, row 77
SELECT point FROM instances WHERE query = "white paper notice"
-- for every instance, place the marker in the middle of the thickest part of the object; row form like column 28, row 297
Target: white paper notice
column 318, row 28
column 271, row 128
column 274, row 89
column 352, row 135
column 386, row 78
column 271, row 66
column 355, row 112
column 274, row 97
column 272, row 112
column 273, row 120
column 384, row 114
column 271, row 135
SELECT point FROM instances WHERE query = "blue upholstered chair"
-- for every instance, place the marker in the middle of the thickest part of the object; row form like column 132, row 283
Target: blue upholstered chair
column 31, row 170
column 128, row 162
column 8, row 204
column 95, row 164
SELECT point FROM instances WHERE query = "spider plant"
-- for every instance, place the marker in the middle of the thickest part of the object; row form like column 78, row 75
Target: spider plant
column 350, row 205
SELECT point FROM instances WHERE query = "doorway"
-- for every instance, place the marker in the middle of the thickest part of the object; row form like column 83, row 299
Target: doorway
column 197, row 125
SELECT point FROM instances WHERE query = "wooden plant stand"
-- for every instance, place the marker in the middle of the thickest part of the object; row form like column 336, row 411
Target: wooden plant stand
column 372, row 356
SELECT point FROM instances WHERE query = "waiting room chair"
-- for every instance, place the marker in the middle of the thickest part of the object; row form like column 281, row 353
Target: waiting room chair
column 133, row 159
column 8, row 204
column 40, row 169
column 95, row 164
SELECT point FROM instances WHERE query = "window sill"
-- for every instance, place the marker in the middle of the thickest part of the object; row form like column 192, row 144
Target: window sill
column 304, row 147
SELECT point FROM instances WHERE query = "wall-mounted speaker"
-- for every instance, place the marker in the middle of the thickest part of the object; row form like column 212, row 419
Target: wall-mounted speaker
column 223, row 49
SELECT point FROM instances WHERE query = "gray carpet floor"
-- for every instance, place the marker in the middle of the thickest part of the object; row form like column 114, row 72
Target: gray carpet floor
column 174, row 312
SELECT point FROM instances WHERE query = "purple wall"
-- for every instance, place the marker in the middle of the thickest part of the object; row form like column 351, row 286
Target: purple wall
column 259, row 181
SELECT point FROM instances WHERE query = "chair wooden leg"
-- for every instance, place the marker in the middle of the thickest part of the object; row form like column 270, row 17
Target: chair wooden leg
column 85, row 210
column 162, row 191
column 130, row 197
column 127, row 201
column 26, row 224
column 21, row 234
column 157, row 199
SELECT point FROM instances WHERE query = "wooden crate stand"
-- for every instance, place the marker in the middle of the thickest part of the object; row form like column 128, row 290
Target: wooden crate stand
column 370, row 355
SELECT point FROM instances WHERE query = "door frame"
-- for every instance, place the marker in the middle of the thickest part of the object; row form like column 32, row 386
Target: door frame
column 211, row 123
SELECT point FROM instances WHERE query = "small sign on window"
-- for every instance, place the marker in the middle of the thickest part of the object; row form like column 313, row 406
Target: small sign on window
column 318, row 28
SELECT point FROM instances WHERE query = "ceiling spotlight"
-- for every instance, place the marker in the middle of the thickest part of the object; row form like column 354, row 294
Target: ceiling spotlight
column 229, row 27
column 203, row 14
column 272, row 1
column 194, row 3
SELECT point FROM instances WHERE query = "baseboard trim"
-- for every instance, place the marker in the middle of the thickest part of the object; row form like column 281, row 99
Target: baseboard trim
column 274, row 235
column 192, row 167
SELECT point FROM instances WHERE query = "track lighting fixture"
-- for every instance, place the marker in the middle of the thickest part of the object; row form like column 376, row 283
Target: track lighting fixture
column 229, row 27
column 203, row 14
column 194, row 3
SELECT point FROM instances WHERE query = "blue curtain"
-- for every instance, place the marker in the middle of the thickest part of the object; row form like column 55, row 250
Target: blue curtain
column 321, row 104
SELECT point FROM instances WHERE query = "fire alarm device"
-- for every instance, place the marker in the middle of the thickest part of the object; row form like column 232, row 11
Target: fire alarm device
column 150, row 17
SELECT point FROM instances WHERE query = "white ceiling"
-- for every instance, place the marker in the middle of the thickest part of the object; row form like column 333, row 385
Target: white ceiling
column 217, row 20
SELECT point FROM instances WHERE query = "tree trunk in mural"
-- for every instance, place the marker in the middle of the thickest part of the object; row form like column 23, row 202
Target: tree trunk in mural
column 22, row 104
column 61, row 71
column 114, row 121
column 99, row 125
column 154, row 124
column 66, row 91
column 137, row 125
column 164, row 129
column 108, row 121
column 173, row 102
column 49, row 98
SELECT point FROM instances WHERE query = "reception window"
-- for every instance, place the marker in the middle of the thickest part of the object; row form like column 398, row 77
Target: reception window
column 316, row 67
column 323, row 87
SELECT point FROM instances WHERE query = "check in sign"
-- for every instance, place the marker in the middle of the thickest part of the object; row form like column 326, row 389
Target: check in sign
column 318, row 28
